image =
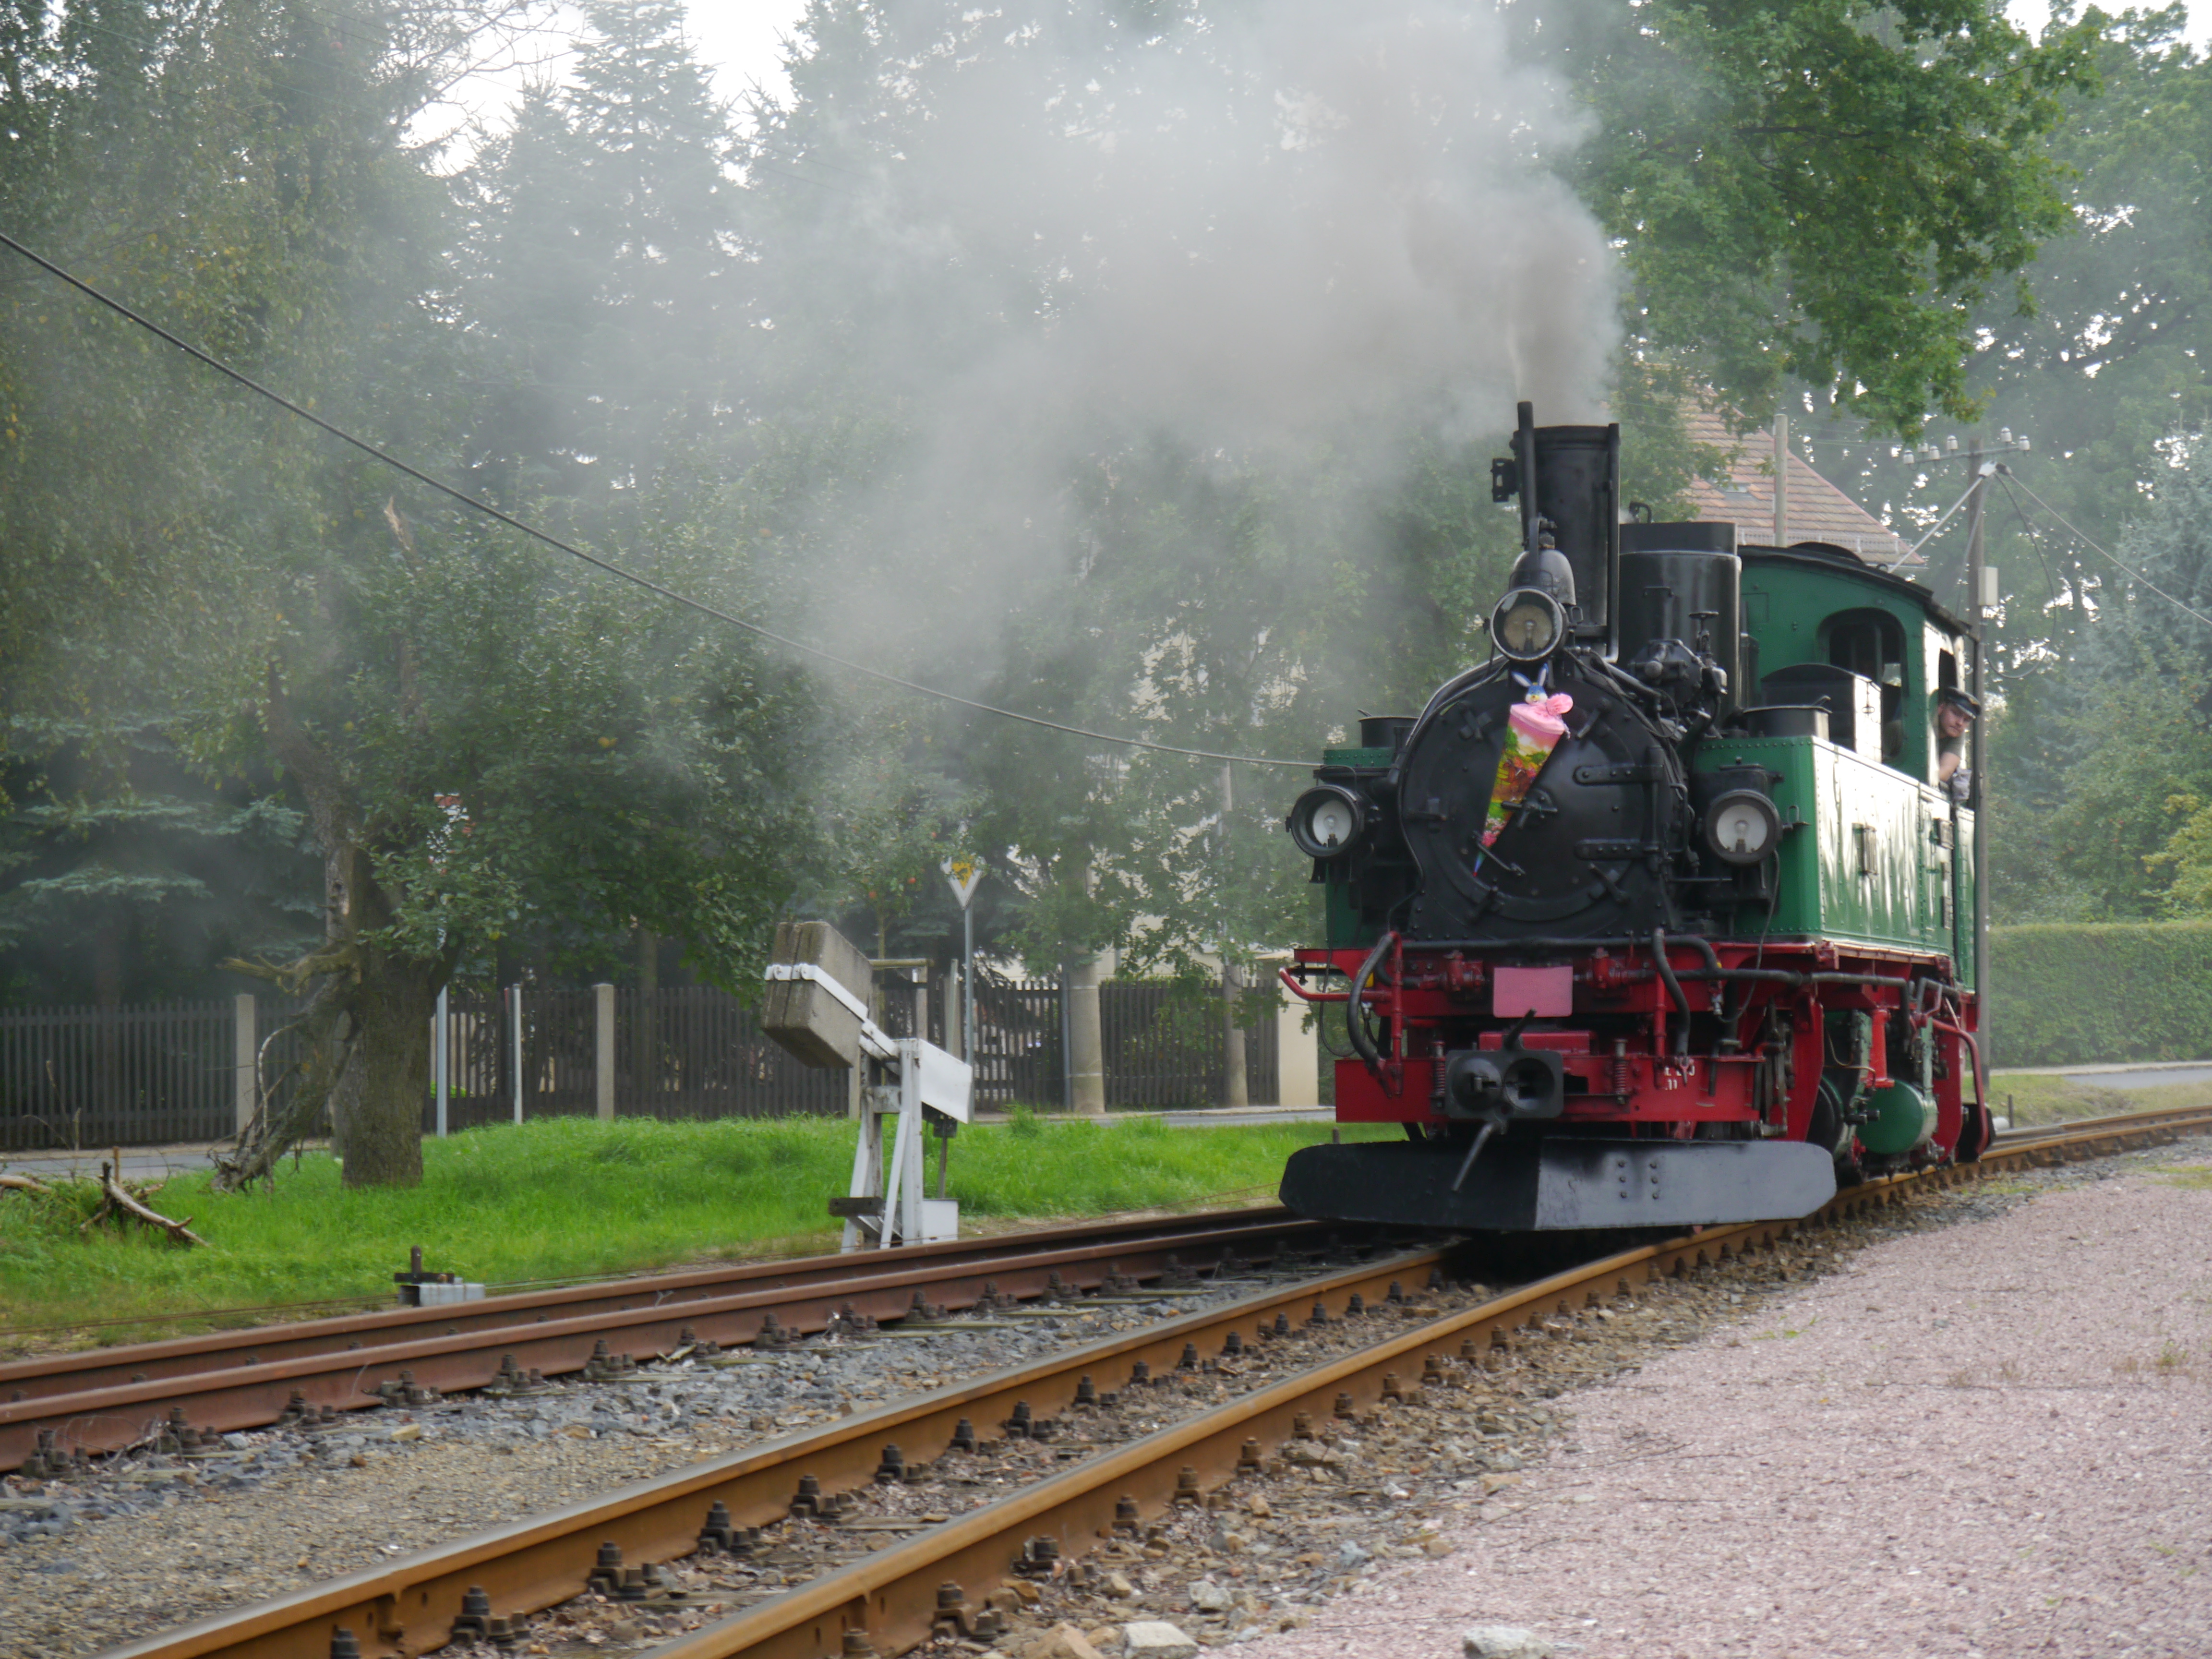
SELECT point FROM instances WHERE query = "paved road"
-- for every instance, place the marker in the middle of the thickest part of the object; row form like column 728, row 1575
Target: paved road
column 139, row 1163
column 2150, row 1075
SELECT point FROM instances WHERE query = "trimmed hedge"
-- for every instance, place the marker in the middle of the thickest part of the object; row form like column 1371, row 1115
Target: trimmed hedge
column 2077, row 993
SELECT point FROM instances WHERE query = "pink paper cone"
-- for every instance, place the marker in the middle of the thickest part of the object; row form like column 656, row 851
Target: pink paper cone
column 1534, row 730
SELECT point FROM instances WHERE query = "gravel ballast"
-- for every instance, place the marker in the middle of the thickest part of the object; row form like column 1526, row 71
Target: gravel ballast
column 1949, row 1428
column 152, row 1542
column 1972, row 1440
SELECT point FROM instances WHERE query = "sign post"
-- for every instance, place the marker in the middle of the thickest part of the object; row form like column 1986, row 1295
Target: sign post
column 962, row 873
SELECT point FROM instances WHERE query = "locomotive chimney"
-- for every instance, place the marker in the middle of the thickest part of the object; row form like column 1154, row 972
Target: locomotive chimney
column 1568, row 478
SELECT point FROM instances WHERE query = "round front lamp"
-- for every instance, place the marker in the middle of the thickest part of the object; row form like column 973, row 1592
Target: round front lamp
column 1742, row 827
column 1326, row 820
column 1528, row 625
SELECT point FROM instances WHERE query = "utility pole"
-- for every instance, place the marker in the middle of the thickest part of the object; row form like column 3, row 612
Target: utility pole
column 1781, row 479
column 1977, row 656
column 1236, row 1084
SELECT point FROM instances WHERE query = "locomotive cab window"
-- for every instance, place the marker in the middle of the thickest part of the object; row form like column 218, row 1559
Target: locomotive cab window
column 1871, row 643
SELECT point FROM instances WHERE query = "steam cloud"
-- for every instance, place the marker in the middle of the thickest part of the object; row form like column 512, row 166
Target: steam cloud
column 1291, row 223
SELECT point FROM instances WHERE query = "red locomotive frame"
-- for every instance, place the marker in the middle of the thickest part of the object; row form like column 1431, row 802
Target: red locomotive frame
column 1647, row 1083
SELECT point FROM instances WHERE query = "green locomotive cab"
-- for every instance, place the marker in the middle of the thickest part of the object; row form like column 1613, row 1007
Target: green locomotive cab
column 1850, row 661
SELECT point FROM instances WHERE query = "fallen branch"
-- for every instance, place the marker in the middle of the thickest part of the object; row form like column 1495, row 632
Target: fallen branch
column 279, row 1124
column 120, row 1199
column 23, row 1183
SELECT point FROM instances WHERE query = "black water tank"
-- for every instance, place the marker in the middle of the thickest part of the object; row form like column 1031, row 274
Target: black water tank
column 1684, row 581
column 1384, row 731
column 1853, row 702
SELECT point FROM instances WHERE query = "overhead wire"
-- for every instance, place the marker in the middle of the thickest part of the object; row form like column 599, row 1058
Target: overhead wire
column 2035, row 541
column 607, row 566
column 1935, row 529
column 2137, row 575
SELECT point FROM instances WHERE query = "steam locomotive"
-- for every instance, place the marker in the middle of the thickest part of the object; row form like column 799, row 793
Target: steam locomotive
column 1662, row 915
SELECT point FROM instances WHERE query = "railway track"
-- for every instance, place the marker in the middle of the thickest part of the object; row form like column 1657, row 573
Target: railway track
column 63, row 1406
column 1358, row 1342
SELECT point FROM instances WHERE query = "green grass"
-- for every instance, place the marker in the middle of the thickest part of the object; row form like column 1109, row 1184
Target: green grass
column 2042, row 1098
column 570, row 1198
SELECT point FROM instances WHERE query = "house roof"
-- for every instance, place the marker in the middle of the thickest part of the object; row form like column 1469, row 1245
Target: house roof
column 1819, row 511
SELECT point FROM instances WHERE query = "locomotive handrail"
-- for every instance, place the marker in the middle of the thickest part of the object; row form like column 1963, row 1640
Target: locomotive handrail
column 1690, row 942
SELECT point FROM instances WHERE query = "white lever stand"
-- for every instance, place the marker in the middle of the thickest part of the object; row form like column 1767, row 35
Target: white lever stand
column 929, row 1080
column 816, row 1016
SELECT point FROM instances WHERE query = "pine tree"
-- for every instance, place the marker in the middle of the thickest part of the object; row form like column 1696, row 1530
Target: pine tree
column 604, row 272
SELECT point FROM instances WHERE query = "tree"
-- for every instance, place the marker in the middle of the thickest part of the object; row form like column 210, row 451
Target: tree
column 478, row 741
column 2102, row 371
column 1824, row 193
column 124, row 875
column 603, row 280
column 972, row 246
column 2133, row 822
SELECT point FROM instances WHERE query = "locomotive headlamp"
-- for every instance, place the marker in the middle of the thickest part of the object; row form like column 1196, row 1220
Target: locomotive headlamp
column 1528, row 625
column 1326, row 820
column 1742, row 827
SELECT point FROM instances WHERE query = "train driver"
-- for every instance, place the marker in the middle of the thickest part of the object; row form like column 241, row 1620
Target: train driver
column 1955, row 713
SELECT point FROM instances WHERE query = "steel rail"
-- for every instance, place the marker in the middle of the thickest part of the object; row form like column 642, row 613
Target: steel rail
column 179, row 1356
column 408, row 1606
column 116, row 1397
column 2119, row 1119
column 888, row 1601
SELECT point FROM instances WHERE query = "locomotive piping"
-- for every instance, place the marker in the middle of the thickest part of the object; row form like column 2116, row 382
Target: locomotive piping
column 1354, row 1021
column 1466, row 1165
column 1673, row 988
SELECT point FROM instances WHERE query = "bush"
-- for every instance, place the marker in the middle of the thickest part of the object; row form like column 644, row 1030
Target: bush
column 2078, row 994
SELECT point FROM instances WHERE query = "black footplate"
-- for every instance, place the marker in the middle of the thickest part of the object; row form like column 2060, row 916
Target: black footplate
column 1561, row 1184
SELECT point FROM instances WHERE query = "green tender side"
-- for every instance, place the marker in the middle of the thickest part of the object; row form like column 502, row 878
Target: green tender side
column 1868, row 855
column 1344, row 930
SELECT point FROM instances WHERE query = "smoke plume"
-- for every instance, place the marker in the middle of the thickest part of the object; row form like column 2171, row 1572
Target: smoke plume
column 1292, row 225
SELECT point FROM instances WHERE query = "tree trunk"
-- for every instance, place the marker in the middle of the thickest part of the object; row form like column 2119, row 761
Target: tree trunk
column 375, row 1063
column 391, row 1006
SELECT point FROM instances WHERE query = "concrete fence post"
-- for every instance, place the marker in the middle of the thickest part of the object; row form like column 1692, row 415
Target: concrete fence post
column 1297, row 1056
column 1236, row 1075
column 603, row 1047
column 1087, row 1041
column 245, row 1049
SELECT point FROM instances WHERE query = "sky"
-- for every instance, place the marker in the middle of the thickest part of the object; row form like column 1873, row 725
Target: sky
column 742, row 39
column 2032, row 14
